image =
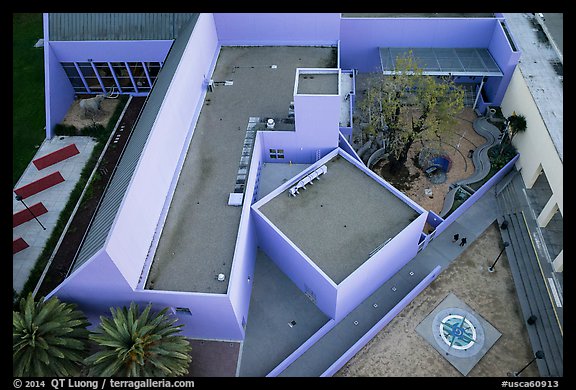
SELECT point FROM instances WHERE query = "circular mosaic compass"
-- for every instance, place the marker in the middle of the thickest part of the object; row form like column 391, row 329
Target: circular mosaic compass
column 458, row 332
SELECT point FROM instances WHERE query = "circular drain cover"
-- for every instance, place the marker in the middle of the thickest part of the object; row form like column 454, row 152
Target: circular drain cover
column 457, row 332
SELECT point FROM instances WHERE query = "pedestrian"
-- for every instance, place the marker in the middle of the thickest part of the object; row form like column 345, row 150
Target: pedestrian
column 456, row 237
column 463, row 241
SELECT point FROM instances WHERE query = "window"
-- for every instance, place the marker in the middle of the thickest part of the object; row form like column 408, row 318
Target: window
column 276, row 153
column 89, row 76
column 74, row 77
column 182, row 310
column 123, row 76
column 105, row 74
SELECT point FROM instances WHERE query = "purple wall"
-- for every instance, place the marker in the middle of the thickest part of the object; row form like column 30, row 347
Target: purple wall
column 317, row 119
column 379, row 268
column 294, row 263
column 132, row 232
column 506, row 59
column 338, row 364
column 98, row 285
column 294, row 145
column 102, row 51
column 360, row 38
column 58, row 90
column 277, row 29
column 242, row 273
column 345, row 146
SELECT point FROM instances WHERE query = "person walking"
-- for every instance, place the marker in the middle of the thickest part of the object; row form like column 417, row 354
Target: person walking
column 456, row 237
column 463, row 241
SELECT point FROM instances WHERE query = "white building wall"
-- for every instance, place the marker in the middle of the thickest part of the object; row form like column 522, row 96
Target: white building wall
column 534, row 145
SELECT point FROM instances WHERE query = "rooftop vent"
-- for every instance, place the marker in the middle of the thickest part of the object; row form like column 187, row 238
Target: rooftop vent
column 221, row 277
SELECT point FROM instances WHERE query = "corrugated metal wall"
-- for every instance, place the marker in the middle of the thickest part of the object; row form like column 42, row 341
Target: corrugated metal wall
column 115, row 26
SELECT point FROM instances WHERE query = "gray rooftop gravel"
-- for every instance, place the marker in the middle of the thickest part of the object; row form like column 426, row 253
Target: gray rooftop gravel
column 340, row 219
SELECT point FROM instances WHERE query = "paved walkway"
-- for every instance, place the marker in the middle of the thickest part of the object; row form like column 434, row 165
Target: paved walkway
column 53, row 198
column 479, row 158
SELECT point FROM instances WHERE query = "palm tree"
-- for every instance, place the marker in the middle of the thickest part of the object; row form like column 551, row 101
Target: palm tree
column 135, row 344
column 49, row 338
column 517, row 123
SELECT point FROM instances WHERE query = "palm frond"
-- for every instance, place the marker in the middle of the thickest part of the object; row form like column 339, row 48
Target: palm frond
column 139, row 343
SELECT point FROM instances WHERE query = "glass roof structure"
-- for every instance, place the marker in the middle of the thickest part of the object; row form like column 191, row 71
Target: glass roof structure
column 443, row 61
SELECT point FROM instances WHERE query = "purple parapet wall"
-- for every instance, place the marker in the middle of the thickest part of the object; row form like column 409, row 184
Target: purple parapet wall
column 133, row 230
column 277, row 29
column 211, row 315
column 242, row 273
column 95, row 286
column 507, row 59
column 98, row 285
column 58, row 90
column 476, row 195
column 360, row 38
column 345, row 146
column 379, row 268
column 338, row 364
column 102, row 51
column 295, row 264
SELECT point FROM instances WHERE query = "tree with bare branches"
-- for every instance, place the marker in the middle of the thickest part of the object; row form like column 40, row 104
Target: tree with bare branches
column 408, row 106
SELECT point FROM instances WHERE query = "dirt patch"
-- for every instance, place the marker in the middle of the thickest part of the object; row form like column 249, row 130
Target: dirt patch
column 455, row 144
column 79, row 119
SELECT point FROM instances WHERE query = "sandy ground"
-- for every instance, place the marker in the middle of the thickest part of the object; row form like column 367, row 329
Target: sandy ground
column 76, row 117
column 456, row 144
column 399, row 351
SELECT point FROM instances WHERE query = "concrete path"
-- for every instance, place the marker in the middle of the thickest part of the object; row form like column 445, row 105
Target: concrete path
column 53, row 198
column 479, row 158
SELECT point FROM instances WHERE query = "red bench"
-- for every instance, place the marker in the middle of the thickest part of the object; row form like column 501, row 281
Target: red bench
column 56, row 156
column 26, row 215
column 39, row 185
column 18, row 245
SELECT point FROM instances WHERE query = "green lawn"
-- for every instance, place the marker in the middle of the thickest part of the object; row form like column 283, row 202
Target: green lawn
column 28, row 91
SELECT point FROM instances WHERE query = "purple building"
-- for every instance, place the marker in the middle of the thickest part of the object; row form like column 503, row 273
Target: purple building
column 239, row 201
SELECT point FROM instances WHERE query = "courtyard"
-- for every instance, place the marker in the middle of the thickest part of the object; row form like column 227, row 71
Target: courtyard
column 399, row 351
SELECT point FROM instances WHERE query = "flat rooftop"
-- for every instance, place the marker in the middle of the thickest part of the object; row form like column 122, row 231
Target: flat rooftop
column 340, row 219
column 199, row 235
column 538, row 64
column 318, row 83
